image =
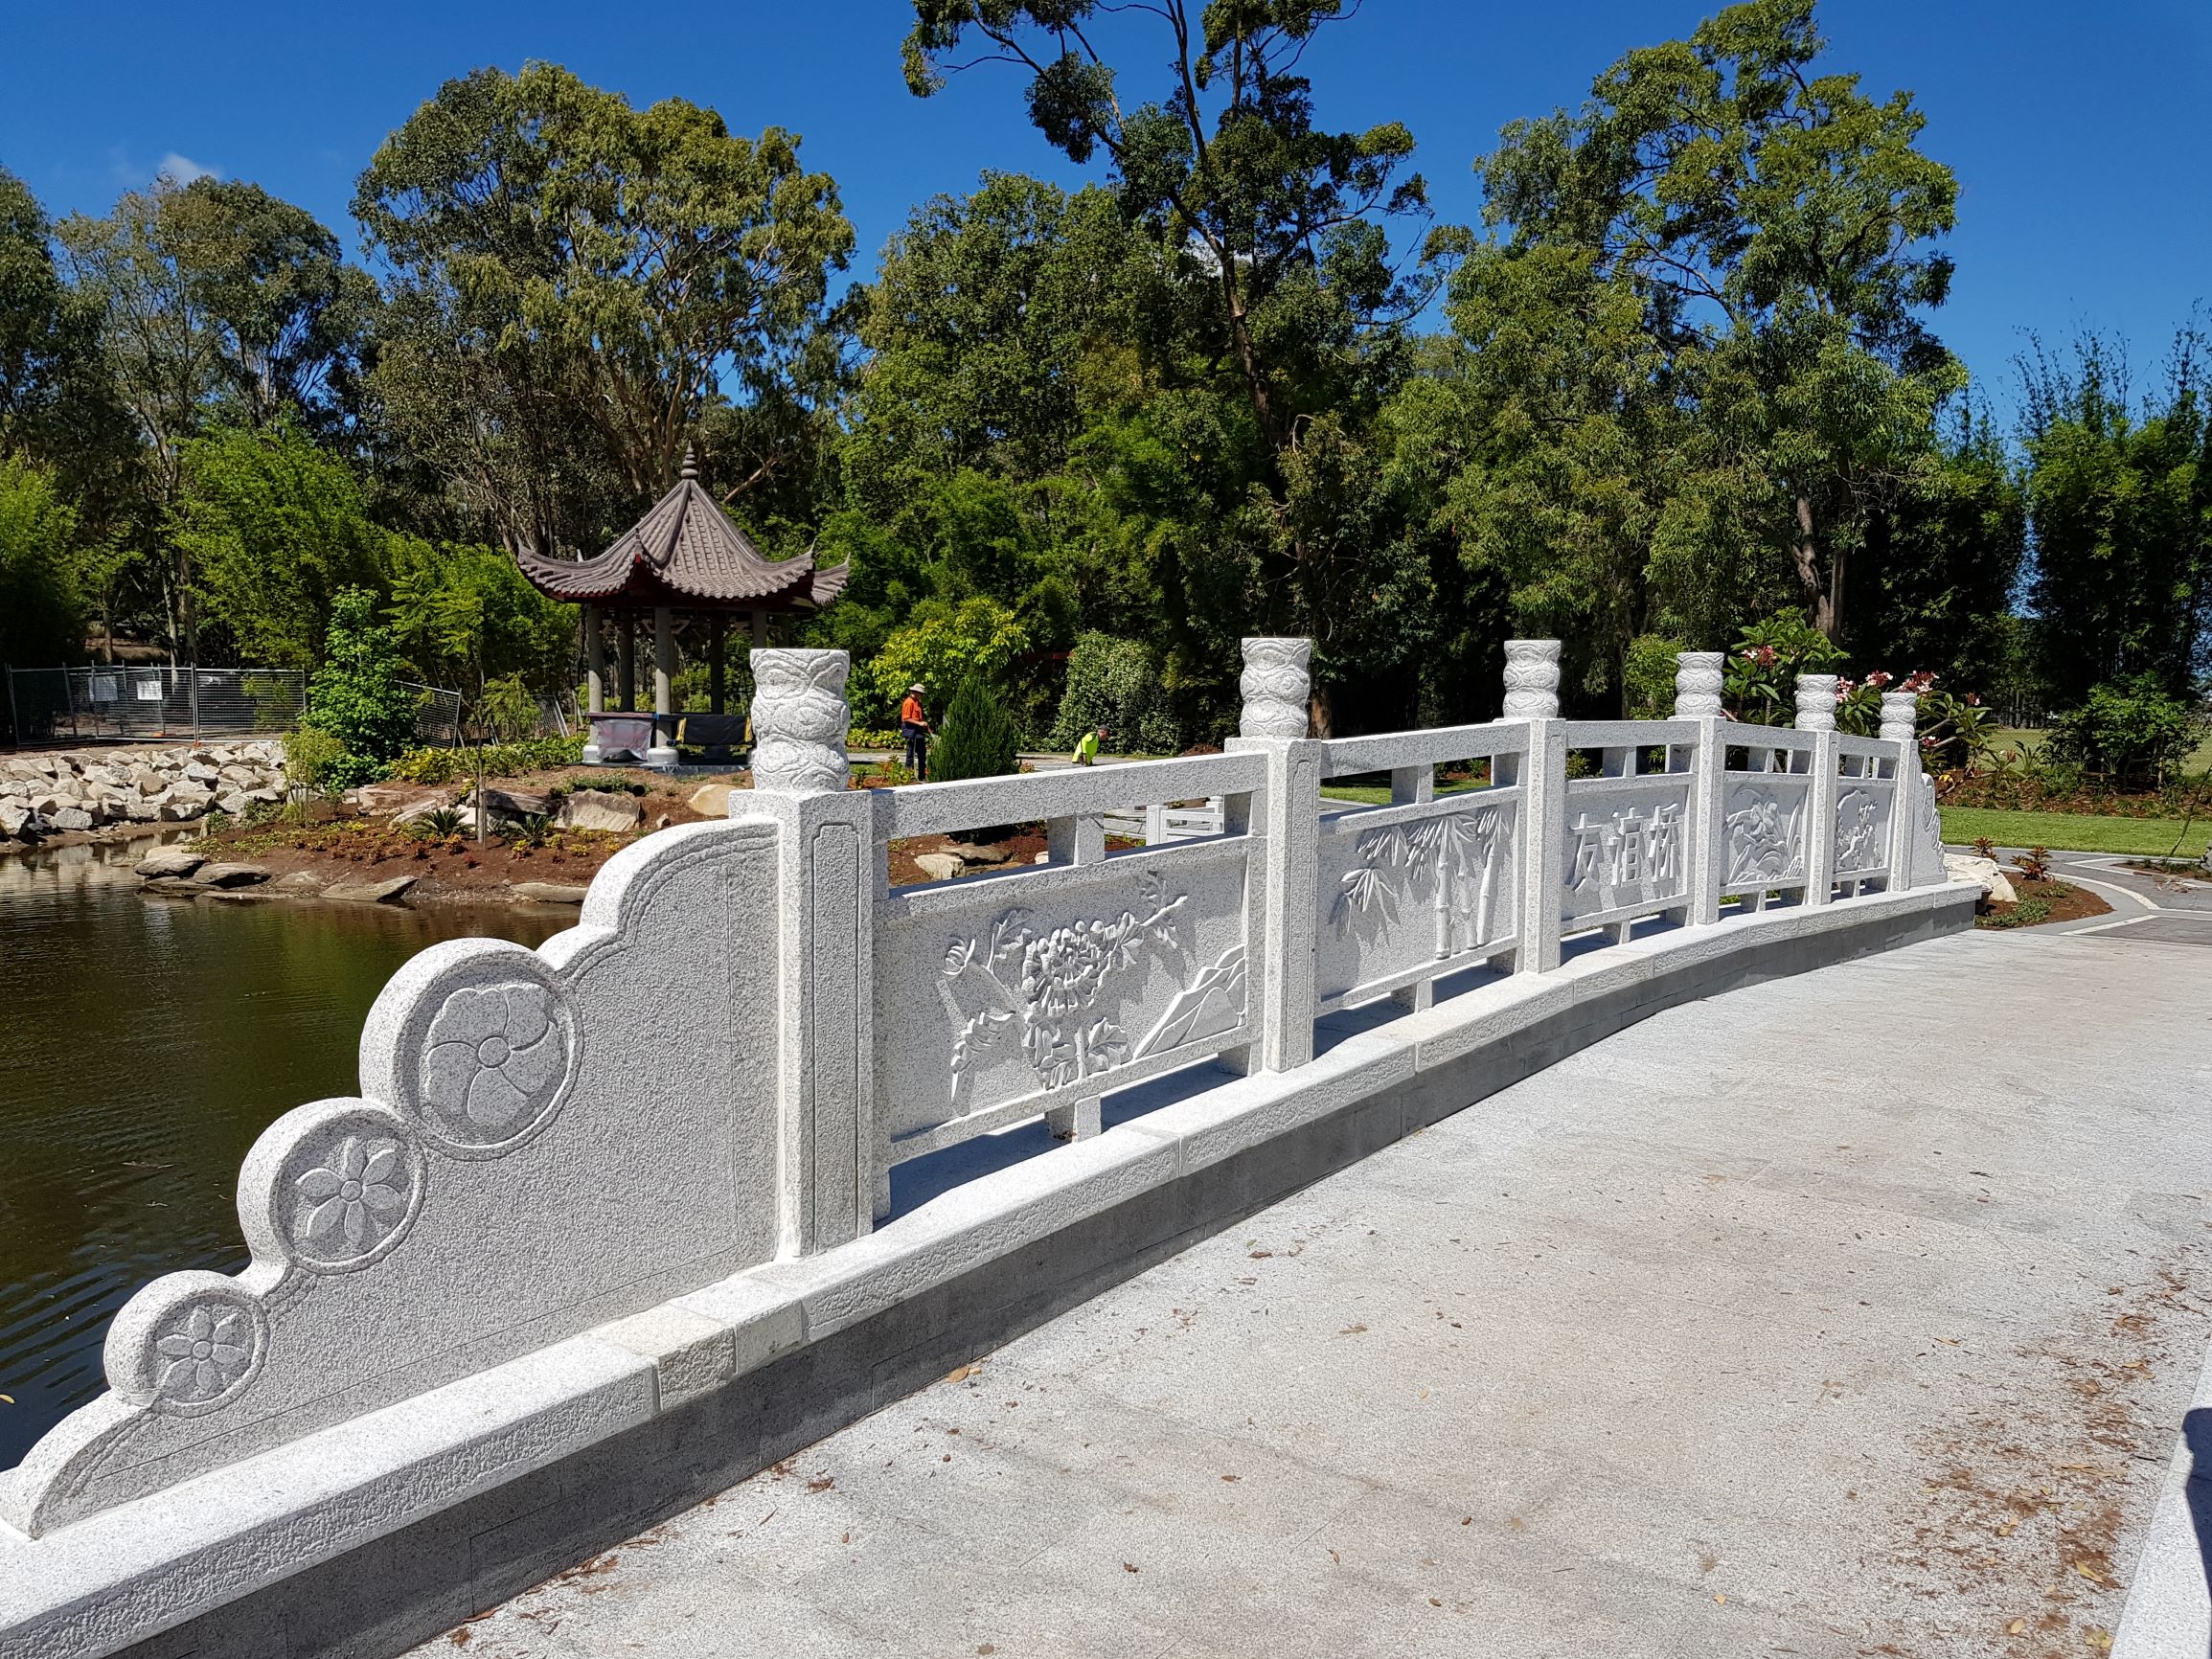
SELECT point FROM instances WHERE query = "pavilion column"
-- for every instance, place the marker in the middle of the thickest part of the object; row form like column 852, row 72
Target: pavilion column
column 627, row 663
column 760, row 630
column 594, row 661
column 718, row 637
column 663, row 752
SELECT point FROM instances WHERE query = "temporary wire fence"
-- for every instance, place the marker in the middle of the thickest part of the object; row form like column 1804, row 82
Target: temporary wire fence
column 132, row 703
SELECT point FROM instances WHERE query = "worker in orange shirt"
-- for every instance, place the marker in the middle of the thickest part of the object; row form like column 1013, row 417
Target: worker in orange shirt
column 914, row 727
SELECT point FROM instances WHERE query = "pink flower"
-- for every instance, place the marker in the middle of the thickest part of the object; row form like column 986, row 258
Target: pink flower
column 1879, row 678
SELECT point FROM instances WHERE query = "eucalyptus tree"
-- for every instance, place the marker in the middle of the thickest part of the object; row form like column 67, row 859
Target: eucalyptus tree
column 1778, row 229
column 1273, row 234
column 575, row 284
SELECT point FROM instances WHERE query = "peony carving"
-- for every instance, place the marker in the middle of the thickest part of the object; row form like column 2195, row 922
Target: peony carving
column 1532, row 679
column 495, row 1062
column 800, row 720
column 1276, row 683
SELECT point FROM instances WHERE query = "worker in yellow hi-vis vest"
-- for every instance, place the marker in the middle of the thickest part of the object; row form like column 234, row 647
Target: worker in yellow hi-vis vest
column 1087, row 747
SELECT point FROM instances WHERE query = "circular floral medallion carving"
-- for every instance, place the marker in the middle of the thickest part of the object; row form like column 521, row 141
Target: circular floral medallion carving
column 348, row 1192
column 194, row 1342
column 494, row 1064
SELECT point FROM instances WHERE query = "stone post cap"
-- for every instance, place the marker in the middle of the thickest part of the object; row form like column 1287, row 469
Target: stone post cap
column 1816, row 702
column 800, row 720
column 1532, row 679
column 1901, row 717
column 1697, row 678
column 1276, row 682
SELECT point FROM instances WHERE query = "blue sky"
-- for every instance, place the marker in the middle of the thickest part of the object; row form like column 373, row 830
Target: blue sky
column 2077, row 130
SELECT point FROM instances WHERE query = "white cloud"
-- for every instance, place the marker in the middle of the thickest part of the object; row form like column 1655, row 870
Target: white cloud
column 183, row 169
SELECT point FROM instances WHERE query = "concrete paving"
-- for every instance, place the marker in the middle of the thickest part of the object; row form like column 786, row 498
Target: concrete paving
column 1851, row 1314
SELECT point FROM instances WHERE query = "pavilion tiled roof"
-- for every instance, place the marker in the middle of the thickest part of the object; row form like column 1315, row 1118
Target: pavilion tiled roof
column 685, row 551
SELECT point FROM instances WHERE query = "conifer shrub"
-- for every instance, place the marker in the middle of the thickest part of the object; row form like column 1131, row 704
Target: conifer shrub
column 980, row 736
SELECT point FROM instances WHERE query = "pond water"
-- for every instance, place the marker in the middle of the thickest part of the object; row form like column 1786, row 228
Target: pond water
column 144, row 1043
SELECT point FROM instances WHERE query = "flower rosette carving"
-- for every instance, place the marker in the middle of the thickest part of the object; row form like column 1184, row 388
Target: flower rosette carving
column 495, row 1063
column 187, row 1345
column 336, row 1189
column 1275, row 684
column 800, row 719
column 1532, row 679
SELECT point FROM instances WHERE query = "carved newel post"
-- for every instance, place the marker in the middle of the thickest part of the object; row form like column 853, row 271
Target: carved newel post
column 1697, row 685
column 827, row 1186
column 1276, row 686
column 1917, row 855
column 1532, row 679
column 800, row 719
column 1697, row 682
column 1532, row 694
column 1816, row 702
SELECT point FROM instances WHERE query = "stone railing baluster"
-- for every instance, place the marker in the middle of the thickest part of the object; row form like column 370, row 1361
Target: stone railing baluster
column 1901, row 725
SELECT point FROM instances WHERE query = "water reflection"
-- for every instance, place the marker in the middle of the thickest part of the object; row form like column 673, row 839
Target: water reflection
column 144, row 1043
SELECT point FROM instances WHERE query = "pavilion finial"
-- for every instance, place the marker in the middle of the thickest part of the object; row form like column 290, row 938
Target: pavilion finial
column 691, row 466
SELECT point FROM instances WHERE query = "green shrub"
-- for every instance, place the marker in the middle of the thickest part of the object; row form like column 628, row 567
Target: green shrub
column 1648, row 670
column 979, row 738
column 1117, row 684
column 309, row 755
column 500, row 761
column 2131, row 731
column 356, row 696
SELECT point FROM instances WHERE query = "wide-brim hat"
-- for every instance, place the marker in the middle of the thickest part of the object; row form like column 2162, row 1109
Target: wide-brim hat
column 915, row 687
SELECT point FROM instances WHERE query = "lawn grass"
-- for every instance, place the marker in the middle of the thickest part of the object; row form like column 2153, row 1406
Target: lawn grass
column 2072, row 832
column 1379, row 794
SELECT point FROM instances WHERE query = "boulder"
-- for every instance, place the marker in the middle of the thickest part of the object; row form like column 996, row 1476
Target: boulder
column 146, row 781
column 170, row 810
column 710, row 801
column 175, row 887
column 234, row 802
column 299, row 881
column 1995, row 889
column 14, row 815
column 600, row 809
column 73, row 818
column 371, row 892
column 169, row 861
column 140, row 810
column 941, row 866
column 232, row 875
column 514, row 803
column 967, row 852
column 395, row 800
column 200, row 772
column 549, row 893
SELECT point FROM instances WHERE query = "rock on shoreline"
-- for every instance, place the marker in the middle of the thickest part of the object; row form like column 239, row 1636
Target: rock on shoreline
column 82, row 789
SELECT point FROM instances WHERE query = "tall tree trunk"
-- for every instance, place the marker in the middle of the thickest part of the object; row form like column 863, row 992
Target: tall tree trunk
column 1822, row 599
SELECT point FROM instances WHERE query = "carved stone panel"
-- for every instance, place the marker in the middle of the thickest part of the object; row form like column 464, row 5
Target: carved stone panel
column 1627, row 846
column 1402, row 890
column 547, row 1140
column 1863, row 827
column 1762, row 831
column 1064, row 982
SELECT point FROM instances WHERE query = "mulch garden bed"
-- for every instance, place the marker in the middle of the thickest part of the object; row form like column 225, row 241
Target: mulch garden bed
column 2041, row 902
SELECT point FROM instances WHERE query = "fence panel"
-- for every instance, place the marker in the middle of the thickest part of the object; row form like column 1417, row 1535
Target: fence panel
column 1626, row 830
column 1766, row 812
column 124, row 702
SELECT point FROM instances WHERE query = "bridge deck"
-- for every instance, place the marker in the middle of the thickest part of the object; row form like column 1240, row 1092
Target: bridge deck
column 1852, row 1314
